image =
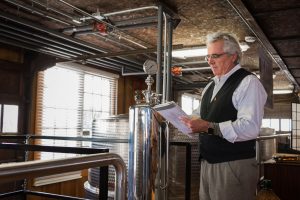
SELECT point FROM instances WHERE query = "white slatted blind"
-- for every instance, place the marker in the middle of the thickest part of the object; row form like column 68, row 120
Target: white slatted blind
column 67, row 102
column 9, row 115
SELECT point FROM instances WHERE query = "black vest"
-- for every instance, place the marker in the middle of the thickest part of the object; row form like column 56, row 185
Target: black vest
column 213, row 148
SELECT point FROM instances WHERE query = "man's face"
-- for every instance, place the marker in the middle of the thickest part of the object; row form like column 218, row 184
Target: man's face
column 219, row 61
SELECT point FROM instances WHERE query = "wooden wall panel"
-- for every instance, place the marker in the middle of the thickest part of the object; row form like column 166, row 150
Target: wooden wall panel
column 126, row 89
column 70, row 188
column 11, row 54
column 11, row 82
column 285, row 179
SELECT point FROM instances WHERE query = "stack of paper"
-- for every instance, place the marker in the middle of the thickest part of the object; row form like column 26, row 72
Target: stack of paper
column 172, row 113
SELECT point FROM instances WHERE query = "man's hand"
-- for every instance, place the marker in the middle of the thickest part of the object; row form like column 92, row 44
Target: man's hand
column 197, row 125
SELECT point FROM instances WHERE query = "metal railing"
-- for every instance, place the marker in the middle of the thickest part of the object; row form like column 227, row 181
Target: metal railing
column 46, row 137
column 103, row 189
column 23, row 144
column 32, row 169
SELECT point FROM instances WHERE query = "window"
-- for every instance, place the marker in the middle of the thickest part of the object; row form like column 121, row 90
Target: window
column 9, row 115
column 296, row 126
column 68, row 100
column 277, row 124
column 285, row 125
column 189, row 103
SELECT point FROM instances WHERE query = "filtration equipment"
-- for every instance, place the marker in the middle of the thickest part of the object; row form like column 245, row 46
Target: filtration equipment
column 147, row 153
column 143, row 153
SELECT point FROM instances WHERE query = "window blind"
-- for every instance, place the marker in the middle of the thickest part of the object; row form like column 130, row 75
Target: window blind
column 68, row 100
column 9, row 115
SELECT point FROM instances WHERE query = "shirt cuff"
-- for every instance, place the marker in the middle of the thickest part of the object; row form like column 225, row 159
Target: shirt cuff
column 227, row 131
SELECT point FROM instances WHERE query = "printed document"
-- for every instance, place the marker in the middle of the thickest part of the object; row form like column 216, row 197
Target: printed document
column 172, row 113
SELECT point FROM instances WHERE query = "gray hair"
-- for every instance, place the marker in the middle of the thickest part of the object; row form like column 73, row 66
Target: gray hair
column 231, row 44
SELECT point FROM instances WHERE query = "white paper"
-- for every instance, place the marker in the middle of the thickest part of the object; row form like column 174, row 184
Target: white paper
column 172, row 113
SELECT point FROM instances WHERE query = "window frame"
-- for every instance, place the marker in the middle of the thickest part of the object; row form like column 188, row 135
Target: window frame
column 38, row 127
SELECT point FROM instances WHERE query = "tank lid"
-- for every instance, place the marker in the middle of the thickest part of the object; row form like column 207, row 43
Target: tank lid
column 121, row 116
column 267, row 131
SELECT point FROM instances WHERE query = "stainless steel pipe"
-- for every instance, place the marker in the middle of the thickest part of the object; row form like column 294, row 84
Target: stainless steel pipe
column 32, row 169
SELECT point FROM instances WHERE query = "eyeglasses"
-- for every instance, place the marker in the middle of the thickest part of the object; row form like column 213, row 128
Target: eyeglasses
column 214, row 56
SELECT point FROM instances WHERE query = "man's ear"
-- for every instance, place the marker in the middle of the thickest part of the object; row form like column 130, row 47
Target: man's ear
column 234, row 58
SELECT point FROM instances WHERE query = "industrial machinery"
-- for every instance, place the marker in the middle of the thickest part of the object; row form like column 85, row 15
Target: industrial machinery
column 152, row 173
column 147, row 158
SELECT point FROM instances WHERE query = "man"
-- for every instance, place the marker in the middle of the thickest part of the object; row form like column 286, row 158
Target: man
column 231, row 112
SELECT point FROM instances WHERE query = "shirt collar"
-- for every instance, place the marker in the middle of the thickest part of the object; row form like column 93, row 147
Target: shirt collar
column 226, row 76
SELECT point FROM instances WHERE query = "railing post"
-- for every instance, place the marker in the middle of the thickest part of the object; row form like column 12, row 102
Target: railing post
column 103, row 183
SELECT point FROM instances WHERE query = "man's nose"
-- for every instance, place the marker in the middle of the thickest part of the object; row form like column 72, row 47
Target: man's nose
column 210, row 61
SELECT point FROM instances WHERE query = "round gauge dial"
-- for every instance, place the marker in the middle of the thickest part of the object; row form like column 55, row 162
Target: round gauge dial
column 150, row 67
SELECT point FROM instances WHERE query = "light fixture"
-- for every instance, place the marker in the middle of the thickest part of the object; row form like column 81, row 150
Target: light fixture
column 189, row 52
column 258, row 75
column 244, row 46
column 77, row 21
column 250, row 39
column 198, row 51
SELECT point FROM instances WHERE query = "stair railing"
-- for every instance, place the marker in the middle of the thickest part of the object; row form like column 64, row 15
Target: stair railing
column 33, row 169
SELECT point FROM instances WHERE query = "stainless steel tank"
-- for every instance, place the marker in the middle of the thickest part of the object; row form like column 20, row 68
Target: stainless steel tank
column 113, row 129
column 267, row 147
column 146, row 159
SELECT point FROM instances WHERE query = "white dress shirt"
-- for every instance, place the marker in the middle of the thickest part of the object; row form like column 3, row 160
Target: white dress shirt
column 248, row 99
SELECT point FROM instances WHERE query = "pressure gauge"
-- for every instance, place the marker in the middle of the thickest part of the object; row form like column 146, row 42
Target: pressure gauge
column 150, row 67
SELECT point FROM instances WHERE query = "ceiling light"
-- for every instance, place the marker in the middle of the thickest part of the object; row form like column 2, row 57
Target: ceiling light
column 250, row 39
column 189, row 52
column 244, row 46
column 77, row 21
column 282, row 91
column 258, row 75
column 198, row 51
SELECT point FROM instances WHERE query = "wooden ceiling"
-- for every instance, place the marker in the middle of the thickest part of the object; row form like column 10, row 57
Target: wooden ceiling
column 126, row 33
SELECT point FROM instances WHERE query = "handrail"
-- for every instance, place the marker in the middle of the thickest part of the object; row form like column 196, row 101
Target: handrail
column 47, row 137
column 57, row 149
column 266, row 137
column 32, row 169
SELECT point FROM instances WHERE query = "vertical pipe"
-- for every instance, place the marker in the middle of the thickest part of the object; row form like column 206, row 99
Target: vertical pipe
column 164, row 74
column 188, row 171
column 167, row 161
column 159, row 48
column 1, row 117
column 169, row 63
column 258, row 157
column 131, row 163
